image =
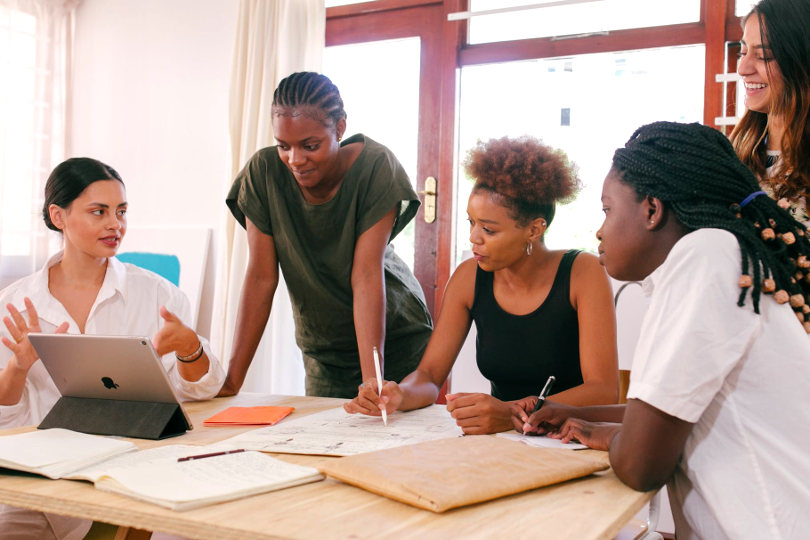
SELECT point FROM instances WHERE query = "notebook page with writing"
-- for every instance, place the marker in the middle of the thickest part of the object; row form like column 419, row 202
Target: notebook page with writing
column 199, row 482
column 541, row 441
column 141, row 458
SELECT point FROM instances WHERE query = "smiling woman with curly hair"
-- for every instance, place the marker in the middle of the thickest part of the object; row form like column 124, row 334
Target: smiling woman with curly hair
column 538, row 312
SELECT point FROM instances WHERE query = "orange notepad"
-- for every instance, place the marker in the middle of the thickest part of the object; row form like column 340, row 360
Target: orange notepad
column 248, row 416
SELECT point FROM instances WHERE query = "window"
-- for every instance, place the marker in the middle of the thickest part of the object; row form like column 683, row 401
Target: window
column 395, row 91
column 743, row 7
column 578, row 18
column 334, row 3
column 612, row 74
column 32, row 98
column 612, row 94
column 17, row 194
column 565, row 116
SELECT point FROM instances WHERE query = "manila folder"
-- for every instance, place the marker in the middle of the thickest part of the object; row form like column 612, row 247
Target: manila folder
column 447, row 473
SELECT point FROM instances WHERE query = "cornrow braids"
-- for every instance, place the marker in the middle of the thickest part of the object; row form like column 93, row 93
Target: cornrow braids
column 694, row 170
column 309, row 89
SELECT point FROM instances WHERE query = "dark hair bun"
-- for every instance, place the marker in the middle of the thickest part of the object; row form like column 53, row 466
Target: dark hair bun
column 69, row 179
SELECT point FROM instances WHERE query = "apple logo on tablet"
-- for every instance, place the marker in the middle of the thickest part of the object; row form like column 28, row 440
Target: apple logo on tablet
column 108, row 383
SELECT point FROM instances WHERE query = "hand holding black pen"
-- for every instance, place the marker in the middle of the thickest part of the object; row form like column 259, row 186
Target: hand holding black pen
column 544, row 393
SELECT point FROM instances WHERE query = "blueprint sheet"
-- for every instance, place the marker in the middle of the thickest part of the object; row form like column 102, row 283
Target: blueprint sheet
column 337, row 433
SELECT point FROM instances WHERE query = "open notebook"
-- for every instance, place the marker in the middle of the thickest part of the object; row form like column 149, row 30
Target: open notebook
column 164, row 475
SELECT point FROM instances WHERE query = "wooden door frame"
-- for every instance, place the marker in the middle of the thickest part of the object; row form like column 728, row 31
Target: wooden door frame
column 717, row 25
column 437, row 117
column 426, row 19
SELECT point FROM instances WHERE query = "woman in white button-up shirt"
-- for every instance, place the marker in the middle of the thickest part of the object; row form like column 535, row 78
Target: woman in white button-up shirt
column 85, row 289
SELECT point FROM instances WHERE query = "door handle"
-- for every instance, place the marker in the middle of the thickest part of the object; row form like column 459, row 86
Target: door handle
column 430, row 199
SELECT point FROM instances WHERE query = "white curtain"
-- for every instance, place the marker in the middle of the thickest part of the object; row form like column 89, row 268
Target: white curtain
column 35, row 51
column 274, row 39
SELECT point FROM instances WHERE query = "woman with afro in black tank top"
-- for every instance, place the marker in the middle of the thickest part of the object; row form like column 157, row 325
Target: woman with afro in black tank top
column 538, row 312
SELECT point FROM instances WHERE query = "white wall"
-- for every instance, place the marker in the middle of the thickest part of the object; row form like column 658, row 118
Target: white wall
column 465, row 375
column 150, row 98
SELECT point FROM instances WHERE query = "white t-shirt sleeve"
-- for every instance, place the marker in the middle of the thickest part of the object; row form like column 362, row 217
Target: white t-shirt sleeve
column 694, row 332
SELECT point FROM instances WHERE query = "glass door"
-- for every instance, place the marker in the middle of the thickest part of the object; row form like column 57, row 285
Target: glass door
column 396, row 70
column 379, row 84
column 587, row 105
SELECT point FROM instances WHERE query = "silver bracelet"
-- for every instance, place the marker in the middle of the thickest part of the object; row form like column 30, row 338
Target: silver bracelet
column 193, row 357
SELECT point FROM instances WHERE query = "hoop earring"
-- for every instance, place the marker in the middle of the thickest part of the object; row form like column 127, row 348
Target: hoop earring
column 529, row 248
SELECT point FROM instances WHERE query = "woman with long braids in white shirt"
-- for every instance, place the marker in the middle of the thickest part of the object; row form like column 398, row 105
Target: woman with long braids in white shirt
column 85, row 289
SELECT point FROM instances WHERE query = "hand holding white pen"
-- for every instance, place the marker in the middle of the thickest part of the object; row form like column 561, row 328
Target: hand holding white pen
column 541, row 398
column 378, row 371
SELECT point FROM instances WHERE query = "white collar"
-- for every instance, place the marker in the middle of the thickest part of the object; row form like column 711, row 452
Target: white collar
column 48, row 307
column 648, row 283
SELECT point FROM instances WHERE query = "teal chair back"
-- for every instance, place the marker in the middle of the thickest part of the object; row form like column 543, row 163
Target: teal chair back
column 164, row 265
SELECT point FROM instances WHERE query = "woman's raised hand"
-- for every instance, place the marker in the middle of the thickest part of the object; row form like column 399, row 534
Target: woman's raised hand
column 174, row 336
column 18, row 328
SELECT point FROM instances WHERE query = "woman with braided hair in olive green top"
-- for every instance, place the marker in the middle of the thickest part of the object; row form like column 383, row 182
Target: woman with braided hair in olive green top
column 324, row 211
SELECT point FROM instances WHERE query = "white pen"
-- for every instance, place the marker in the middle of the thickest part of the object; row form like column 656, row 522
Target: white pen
column 543, row 393
column 378, row 370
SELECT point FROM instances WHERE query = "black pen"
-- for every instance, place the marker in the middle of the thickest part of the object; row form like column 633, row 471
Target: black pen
column 543, row 393
column 212, row 454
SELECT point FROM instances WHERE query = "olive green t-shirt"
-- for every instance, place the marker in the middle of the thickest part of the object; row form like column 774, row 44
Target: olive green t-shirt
column 315, row 249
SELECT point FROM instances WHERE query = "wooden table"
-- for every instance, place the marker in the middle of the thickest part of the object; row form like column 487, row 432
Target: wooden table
column 593, row 507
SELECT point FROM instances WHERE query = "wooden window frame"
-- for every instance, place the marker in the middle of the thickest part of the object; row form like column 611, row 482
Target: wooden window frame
column 402, row 18
column 717, row 26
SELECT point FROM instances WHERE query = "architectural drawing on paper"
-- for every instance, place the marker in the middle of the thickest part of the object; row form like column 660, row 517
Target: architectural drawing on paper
column 336, row 433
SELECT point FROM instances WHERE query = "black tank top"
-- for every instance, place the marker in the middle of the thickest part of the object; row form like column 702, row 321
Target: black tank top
column 517, row 353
